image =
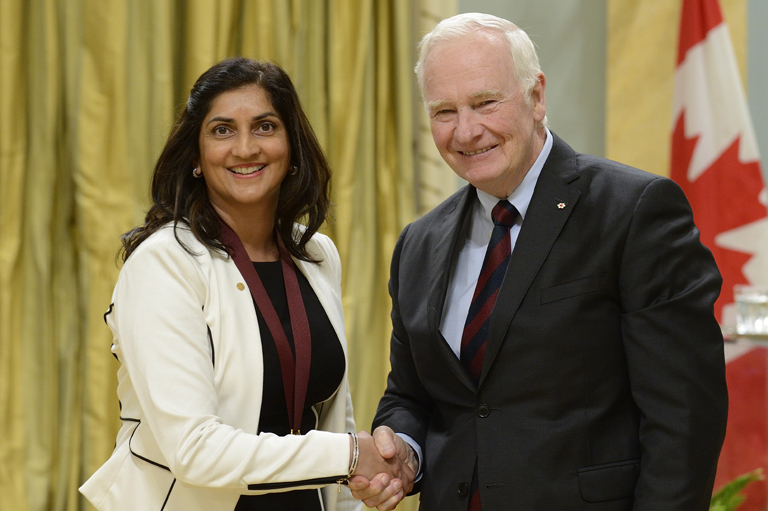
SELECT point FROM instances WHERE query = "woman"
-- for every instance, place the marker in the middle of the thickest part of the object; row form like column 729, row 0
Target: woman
column 227, row 317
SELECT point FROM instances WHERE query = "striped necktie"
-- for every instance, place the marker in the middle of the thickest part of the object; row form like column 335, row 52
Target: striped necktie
column 494, row 267
column 475, row 334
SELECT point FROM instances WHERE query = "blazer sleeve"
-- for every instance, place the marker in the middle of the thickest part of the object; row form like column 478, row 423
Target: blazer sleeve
column 674, row 348
column 406, row 406
column 160, row 330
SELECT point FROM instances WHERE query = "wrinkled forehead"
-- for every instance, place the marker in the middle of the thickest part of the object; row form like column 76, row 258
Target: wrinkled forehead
column 482, row 60
column 483, row 45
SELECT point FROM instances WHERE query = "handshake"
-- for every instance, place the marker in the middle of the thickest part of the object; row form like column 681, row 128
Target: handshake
column 385, row 470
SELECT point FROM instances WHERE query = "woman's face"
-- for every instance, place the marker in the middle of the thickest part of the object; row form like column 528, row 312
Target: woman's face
column 244, row 152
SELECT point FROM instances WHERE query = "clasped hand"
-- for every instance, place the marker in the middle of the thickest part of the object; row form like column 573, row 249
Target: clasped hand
column 385, row 471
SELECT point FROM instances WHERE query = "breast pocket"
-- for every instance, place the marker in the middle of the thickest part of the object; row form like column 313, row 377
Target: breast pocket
column 598, row 284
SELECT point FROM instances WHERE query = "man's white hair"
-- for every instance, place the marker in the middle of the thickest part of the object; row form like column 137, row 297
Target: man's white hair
column 525, row 61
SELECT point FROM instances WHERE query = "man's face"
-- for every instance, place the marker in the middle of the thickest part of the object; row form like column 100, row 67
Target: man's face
column 481, row 122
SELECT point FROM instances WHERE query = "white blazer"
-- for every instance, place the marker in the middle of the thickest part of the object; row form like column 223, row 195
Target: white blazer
column 190, row 382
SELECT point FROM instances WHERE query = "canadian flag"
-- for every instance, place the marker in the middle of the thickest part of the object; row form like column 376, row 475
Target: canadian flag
column 715, row 160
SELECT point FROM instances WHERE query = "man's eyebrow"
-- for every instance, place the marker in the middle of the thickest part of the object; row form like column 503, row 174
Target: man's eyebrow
column 488, row 93
column 436, row 105
column 433, row 106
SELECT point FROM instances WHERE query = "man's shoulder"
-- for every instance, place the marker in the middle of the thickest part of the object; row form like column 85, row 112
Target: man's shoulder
column 565, row 160
column 605, row 168
column 450, row 206
column 424, row 234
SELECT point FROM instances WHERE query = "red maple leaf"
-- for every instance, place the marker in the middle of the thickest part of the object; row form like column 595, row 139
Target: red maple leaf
column 723, row 197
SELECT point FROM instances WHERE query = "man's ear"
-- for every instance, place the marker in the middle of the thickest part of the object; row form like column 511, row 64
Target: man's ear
column 538, row 100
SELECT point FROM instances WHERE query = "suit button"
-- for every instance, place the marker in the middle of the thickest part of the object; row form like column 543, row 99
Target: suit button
column 483, row 410
column 463, row 489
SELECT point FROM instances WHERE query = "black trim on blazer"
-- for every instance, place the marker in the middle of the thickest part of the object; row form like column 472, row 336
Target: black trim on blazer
column 109, row 311
column 305, row 482
column 128, row 419
column 169, row 494
column 120, row 406
column 210, row 340
column 138, row 455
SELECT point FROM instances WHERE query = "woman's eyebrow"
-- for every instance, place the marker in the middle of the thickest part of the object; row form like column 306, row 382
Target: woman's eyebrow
column 230, row 120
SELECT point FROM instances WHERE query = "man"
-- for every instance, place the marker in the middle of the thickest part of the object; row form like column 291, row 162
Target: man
column 575, row 365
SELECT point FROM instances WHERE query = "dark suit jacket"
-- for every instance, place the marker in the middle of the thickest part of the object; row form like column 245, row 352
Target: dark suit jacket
column 603, row 384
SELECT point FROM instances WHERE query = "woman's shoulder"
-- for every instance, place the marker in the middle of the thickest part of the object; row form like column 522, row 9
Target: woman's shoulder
column 319, row 245
column 317, row 238
column 161, row 261
column 169, row 241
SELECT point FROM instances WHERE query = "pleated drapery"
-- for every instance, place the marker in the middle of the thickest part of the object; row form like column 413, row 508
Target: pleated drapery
column 88, row 92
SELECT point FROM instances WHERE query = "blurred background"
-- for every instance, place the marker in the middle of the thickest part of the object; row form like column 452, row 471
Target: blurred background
column 89, row 90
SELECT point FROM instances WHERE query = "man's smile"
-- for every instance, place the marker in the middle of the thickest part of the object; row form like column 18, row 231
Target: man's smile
column 479, row 151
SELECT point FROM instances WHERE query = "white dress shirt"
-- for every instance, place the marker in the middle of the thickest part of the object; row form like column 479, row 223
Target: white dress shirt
column 470, row 261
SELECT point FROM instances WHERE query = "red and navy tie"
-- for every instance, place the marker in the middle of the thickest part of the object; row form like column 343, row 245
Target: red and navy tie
column 495, row 264
column 475, row 334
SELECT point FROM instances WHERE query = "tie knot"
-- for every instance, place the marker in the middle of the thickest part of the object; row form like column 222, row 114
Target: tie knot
column 504, row 213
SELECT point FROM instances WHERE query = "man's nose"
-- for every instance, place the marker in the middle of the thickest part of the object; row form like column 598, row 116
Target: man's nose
column 468, row 125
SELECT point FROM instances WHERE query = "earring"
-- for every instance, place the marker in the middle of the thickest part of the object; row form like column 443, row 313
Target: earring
column 295, row 170
column 197, row 172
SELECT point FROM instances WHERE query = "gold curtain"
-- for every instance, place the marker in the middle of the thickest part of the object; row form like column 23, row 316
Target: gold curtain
column 88, row 92
column 434, row 179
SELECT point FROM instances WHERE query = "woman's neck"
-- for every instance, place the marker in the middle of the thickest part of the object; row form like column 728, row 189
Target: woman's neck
column 256, row 231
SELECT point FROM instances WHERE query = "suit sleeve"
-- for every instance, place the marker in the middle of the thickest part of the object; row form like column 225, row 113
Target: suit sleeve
column 406, row 406
column 674, row 348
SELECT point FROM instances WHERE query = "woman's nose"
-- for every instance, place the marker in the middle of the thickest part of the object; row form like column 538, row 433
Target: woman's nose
column 246, row 145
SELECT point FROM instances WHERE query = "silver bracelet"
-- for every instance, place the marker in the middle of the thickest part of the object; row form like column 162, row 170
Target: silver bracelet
column 355, row 455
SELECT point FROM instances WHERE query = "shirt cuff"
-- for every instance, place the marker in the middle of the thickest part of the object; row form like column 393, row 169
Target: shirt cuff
column 417, row 449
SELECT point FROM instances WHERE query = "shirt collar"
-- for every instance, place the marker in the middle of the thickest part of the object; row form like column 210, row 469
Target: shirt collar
column 520, row 196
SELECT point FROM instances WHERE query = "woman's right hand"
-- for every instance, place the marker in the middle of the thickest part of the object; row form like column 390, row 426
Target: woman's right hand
column 383, row 482
column 371, row 462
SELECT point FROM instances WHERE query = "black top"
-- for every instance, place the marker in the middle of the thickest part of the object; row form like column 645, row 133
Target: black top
column 325, row 374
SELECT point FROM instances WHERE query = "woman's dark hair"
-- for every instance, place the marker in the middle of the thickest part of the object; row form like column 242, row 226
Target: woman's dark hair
column 180, row 197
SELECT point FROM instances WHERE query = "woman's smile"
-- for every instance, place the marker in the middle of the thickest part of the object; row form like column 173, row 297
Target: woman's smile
column 246, row 170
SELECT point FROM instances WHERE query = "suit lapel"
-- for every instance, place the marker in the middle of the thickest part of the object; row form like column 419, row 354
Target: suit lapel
column 551, row 205
column 451, row 230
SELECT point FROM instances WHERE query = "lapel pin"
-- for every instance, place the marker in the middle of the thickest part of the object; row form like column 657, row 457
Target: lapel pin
column 561, row 205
